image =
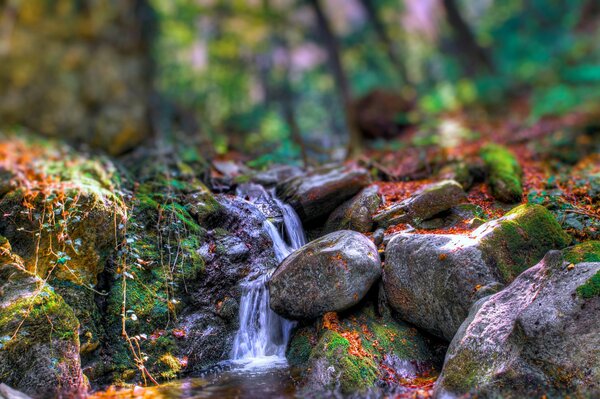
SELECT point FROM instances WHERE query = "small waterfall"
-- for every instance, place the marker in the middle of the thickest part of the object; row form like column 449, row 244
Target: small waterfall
column 263, row 335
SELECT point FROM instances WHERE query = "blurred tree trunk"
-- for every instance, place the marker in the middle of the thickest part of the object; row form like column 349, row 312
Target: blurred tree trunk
column 381, row 31
column 474, row 57
column 341, row 80
column 284, row 94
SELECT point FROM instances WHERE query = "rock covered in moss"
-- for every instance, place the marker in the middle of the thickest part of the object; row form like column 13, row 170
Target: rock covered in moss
column 357, row 351
column 504, row 173
column 520, row 239
column 424, row 204
column 39, row 342
column 329, row 274
column 432, row 280
column 356, row 213
column 588, row 251
column 537, row 337
column 92, row 81
column 62, row 216
column 315, row 195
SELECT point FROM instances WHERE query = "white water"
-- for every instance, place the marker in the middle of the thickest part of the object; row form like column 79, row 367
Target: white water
column 263, row 335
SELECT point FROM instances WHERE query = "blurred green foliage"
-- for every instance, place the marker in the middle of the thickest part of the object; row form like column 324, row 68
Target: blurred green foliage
column 232, row 63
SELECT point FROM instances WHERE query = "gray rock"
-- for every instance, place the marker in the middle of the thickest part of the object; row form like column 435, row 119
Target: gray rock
column 330, row 274
column 356, row 213
column 432, row 280
column 426, row 203
column 276, row 174
column 378, row 236
column 538, row 337
column 315, row 195
column 7, row 392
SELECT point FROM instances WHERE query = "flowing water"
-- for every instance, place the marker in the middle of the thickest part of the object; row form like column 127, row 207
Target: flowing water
column 258, row 367
column 263, row 335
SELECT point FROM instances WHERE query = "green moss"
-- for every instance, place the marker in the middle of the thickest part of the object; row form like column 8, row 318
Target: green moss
column 591, row 288
column 44, row 316
column 300, row 347
column 521, row 239
column 357, row 373
column 588, row 251
column 463, row 372
column 504, row 173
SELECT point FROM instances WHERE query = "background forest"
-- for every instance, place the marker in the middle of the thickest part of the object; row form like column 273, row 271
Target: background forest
column 299, row 198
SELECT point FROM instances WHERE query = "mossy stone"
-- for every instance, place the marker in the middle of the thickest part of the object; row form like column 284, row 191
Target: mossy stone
column 505, row 174
column 520, row 239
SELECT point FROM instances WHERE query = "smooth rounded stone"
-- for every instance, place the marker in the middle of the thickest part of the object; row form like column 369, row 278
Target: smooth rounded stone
column 315, row 195
column 356, row 213
column 330, row 274
column 424, row 204
column 537, row 337
column 432, row 280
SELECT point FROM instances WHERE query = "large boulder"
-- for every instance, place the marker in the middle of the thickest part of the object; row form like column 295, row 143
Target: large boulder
column 61, row 215
column 359, row 351
column 424, row 204
column 39, row 343
column 432, row 280
column 538, row 337
column 330, row 274
column 315, row 195
column 356, row 213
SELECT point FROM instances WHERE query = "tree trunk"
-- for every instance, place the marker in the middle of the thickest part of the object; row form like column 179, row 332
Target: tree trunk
column 473, row 57
column 283, row 93
column 384, row 38
column 339, row 74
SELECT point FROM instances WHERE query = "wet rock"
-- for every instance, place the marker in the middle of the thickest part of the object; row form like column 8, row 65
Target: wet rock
column 355, row 351
column 356, row 213
column 537, row 337
column 39, row 344
column 426, row 203
column 504, row 173
column 237, row 247
column 315, row 195
column 257, row 195
column 332, row 273
column 432, row 280
column 276, row 174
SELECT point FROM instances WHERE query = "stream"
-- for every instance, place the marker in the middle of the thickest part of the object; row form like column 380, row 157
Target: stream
column 258, row 367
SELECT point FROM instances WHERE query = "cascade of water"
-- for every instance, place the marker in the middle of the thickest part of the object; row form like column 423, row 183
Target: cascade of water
column 263, row 335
